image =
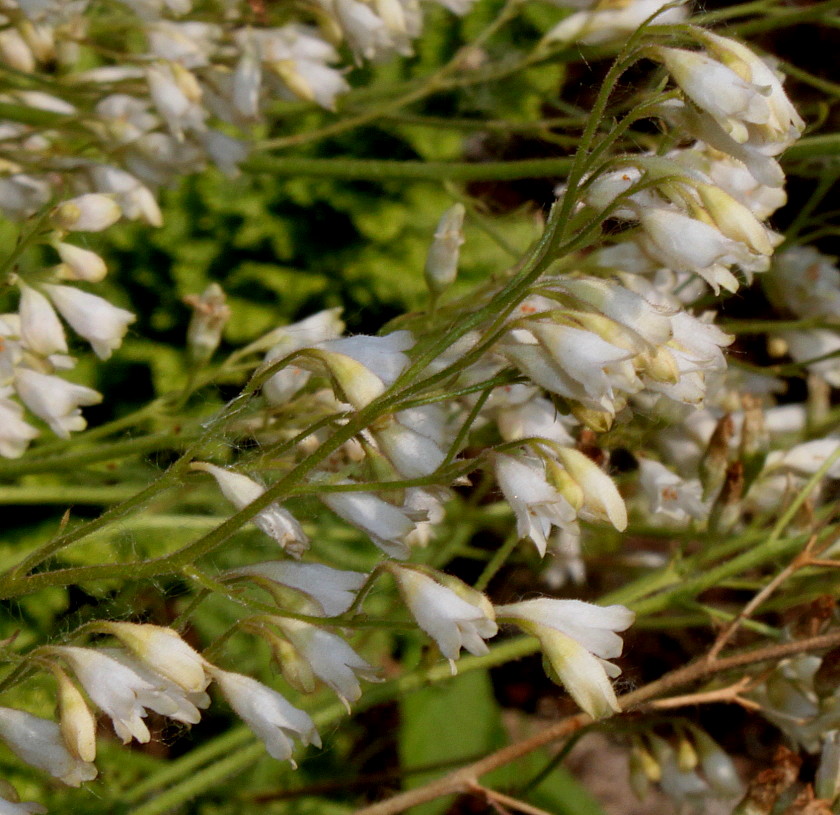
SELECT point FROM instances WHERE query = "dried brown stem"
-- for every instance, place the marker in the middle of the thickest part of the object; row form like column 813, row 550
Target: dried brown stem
column 732, row 693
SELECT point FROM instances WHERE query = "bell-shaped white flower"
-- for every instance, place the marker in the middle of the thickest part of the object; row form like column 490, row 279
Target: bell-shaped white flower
column 442, row 261
column 40, row 329
column 177, row 96
column 134, row 198
column 54, row 400
column 601, row 499
column 415, row 450
column 173, row 700
column 452, row 621
column 15, row 433
column 576, row 638
column 536, row 504
column 783, row 124
column 730, row 99
column 362, row 366
column 80, row 264
column 118, row 690
column 38, row 742
column 275, row 521
column 317, row 328
column 670, row 495
column 534, row 418
column 331, row 659
column 683, row 243
column 388, row 526
column 333, row 590
column 91, row 212
column 267, row 713
column 94, row 318
column 163, row 651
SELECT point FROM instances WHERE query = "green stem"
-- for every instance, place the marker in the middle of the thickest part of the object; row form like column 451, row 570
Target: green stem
column 814, row 147
column 92, row 455
column 497, row 561
column 384, row 170
column 65, row 494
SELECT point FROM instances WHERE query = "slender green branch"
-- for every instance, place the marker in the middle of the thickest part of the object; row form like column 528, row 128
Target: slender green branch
column 387, row 170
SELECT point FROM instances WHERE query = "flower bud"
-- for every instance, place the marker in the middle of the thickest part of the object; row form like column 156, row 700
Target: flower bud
column 733, row 219
column 78, row 727
column 91, row 212
column 714, row 462
column 718, row 768
column 727, row 507
column 80, row 264
column 164, row 652
column 442, row 260
column 210, row 314
column 827, row 781
column 687, row 759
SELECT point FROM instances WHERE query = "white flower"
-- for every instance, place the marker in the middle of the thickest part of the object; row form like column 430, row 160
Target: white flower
column 301, row 59
column 605, row 24
column 806, row 458
column 38, row 742
column 177, row 96
column 684, row 243
column 247, row 80
column 164, row 652
column 601, row 499
column 54, row 400
column 91, row 212
column 81, row 264
column 669, row 494
column 362, row 366
column 267, row 713
column 577, row 638
column 732, row 101
column 334, row 590
column 78, row 727
column 574, row 363
column 15, row 433
column 282, row 386
column 812, row 344
column 537, row 505
column 20, row 808
column 120, row 692
column 210, row 314
column 387, row 525
column 783, row 124
column 174, row 702
column 134, row 198
column 442, row 261
column 452, row 621
column 191, row 43
column 40, row 329
column 275, row 521
column 757, row 158
column 536, row 417
column 414, row 451
column 94, row 318
column 331, row 659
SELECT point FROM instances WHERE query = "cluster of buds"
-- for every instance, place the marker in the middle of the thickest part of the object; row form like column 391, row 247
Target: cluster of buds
column 689, row 771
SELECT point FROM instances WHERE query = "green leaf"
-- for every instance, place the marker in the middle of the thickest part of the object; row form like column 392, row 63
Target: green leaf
column 456, row 720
